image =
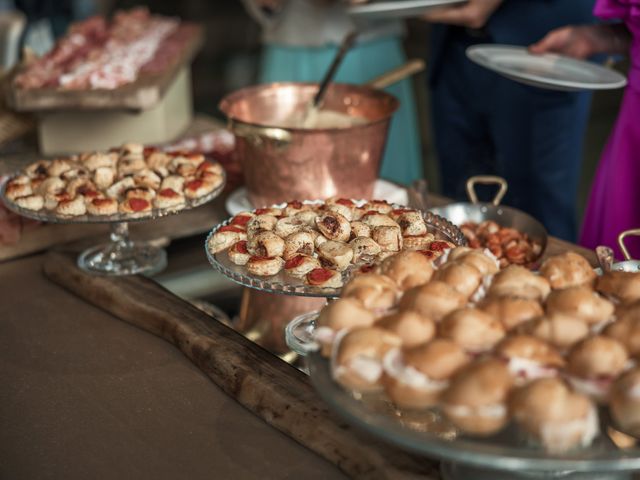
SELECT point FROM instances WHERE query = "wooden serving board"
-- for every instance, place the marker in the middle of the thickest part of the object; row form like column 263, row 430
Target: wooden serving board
column 142, row 94
column 267, row 386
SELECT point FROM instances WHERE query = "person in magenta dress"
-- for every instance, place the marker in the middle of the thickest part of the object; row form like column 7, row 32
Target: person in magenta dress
column 614, row 203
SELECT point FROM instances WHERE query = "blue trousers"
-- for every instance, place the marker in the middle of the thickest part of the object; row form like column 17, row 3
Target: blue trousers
column 488, row 124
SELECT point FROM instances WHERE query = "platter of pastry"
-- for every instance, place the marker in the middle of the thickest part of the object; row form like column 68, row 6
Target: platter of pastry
column 311, row 248
column 132, row 182
column 462, row 360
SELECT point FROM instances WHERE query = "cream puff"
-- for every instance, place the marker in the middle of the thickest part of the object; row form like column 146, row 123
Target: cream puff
column 472, row 329
column 103, row 177
column 238, row 253
column 581, row 302
column 412, row 327
column 174, row 182
column 621, row 286
column 30, row 202
column 225, row 237
column 594, row 363
column 343, row 314
column 408, row 269
column 511, row 311
column 624, row 402
column 73, row 207
column 529, row 358
column 300, row 243
column 287, row 226
column 117, row 189
column 463, row 277
column 553, row 415
column 434, row 299
column 334, row 226
column 337, row 255
column 266, row 245
column 415, row 377
column 517, row 281
column 102, row 206
column 356, row 362
column 300, row 265
column 388, row 237
column 483, row 260
column 626, row 330
column 567, row 270
column 412, row 223
column 475, row 400
column 324, row 278
column 168, row 198
column 264, row 267
column 376, row 292
column 561, row 331
column 359, row 229
column 134, row 205
column 365, row 250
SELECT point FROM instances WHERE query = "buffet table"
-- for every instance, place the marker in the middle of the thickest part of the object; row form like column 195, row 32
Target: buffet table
column 87, row 395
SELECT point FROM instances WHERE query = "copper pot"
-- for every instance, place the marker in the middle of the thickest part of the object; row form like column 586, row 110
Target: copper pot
column 281, row 164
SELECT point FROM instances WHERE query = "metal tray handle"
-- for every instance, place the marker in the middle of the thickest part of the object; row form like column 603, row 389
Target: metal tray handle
column 486, row 180
column 635, row 232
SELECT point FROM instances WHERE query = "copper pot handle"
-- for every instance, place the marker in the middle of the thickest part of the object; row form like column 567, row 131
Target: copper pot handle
column 400, row 73
column 486, row 180
column 627, row 233
column 256, row 134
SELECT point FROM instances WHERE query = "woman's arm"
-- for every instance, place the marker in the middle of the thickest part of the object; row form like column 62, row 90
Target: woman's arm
column 585, row 41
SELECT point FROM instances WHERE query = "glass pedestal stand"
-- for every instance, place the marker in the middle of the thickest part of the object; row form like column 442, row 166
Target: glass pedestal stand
column 460, row 471
column 121, row 256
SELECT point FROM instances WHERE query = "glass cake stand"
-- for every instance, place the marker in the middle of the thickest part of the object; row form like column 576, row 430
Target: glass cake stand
column 121, row 255
column 285, row 284
column 504, row 456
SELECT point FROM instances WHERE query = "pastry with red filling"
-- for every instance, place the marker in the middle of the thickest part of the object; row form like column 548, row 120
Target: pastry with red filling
column 299, row 265
column 334, row 226
column 168, row 198
column 134, row 205
column 225, row 237
column 325, row 278
column 238, row 253
column 264, row 267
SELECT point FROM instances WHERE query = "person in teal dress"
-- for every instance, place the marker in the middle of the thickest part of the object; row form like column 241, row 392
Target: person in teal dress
column 300, row 39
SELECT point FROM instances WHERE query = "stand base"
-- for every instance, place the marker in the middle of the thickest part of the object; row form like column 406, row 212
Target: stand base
column 123, row 260
column 457, row 471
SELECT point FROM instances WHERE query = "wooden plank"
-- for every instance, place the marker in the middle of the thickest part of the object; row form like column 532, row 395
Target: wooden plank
column 270, row 388
column 142, row 94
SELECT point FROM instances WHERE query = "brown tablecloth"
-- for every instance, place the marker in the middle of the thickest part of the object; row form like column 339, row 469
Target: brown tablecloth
column 84, row 395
